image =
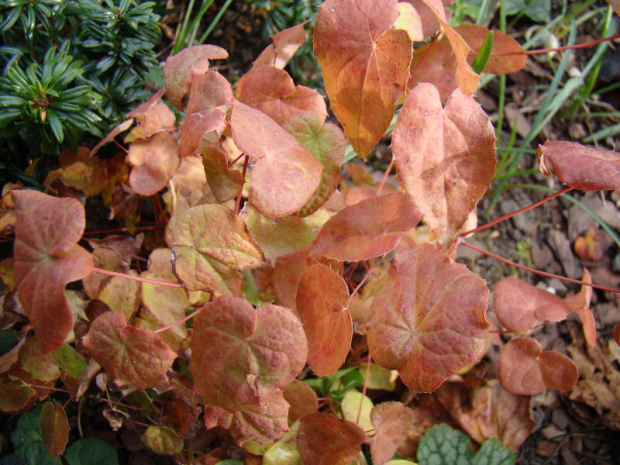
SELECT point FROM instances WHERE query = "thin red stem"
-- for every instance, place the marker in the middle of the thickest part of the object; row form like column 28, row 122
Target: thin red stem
column 176, row 323
column 510, row 215
column 137, row 278
column 231, row 164
column 357, row 288
column 245, row 169
column 120, row 146
column 557, row 49
column 538, row 272
column 364, row 388
column 109, row 231
column 385, row 176
column 426, row 52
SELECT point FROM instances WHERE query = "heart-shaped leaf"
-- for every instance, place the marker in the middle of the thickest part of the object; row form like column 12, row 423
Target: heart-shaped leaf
column 429, row 322
column 365, row 65
column 133, row 356
column 47, row 258
column 321, row 299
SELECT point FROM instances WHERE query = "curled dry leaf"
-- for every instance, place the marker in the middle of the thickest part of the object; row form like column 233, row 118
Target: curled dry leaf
column 241, row 354
column 210, row 245
column 81, row 171
column 580, row 304
column 286, row 174
column 519, row 306
column 525, row 369
column 285, row 44
column 47, row 258
column 131, row 355
column 445, row 157
column 340, row 440
column 321, row 299
column 180, row 69
column 429, row 323
column 365, row 65
column 370, row 228
column 580, row 167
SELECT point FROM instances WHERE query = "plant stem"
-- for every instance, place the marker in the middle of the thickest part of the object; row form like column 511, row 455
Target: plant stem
column 137, row 278
column 176, row 323
column 557, row 49
column 245, row 169
column 385, row 175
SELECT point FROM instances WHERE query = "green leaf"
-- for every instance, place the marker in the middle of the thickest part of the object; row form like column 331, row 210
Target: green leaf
column 91, row 451
column 28, row 441
column 484, row 53
column 539, row 10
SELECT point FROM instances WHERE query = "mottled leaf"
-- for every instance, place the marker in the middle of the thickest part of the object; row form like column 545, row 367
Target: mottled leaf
column 132, row 355
column 370, row 228
column 391, row 420
column 340, row 441
column 525, row 369
column 365, row 65
column 54, row 428
column 286, row 174
column 302, row 399
column 519, row 305
column 429, row 322
column 285, row 44
column 579, row 166
column 321, row 299
column 240, row 354
column 162, row 440
column 14, row 394
column 180, row 69
column 445, row 157
column 210, row 245
column 47, row 258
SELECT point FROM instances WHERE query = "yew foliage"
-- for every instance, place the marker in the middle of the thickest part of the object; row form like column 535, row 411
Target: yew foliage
column 251, row 278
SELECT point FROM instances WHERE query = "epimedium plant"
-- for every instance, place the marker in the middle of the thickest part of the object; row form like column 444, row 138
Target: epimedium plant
column 251, row 281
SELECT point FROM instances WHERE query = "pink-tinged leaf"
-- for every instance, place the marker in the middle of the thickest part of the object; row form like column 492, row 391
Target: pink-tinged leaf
column 285, row 44
column 302, row 399
column 435, row 63
column 208, row 92
column 392, row 422
column 47, row 258
column 340, row 440
column 370, row 228
column 157, row 118
column 280, row 236
column 200, row 130
column 580, row 304
column 502, row 44
column 263, row 423
column 225, row 183
column 240, row 354
column 328, row 144
column 180, row 69
column 111, row 135
column 131, row 355
column 429, row 322
column 524, row 368
column 272, row 91
column 210, row 245
column 144, row 108
column 54, row 428
column 286, row 174
column 580, row 167
column 81, row 171
column 445, row 157
column 321, row 299
column 15, row 394
column 154, row 161
column 365, row 65
column 519, row 305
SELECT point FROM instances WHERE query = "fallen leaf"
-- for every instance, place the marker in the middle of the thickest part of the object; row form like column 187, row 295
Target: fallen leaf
column 321, row 298
column 445, row 157
column 590, row 246
column 47, row 258
column 131, row 355
column 340, row 440
column 365, row 65
column 580, row 304
column 429, row 322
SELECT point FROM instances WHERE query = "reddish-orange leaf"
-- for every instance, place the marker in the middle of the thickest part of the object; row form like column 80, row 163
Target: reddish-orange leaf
column 285, row 44
column 272, row 91
column 263, row 423
column 286, row 174
column 445, row 157
column 210, row 245
column 429, row 322
column 54, row 428
column 525, row 369
column 239, row 353
column 370, row 228
column 47, row 258
column 131, row 355
column 502, row 44
column 365, row 65
column 154, row 160
column 302, row 398
column 580, row 304
column 434, row 63
column 181, row 68
column 591, row 246
column 15, row 394
column 580, row 167
column 321, row 299
column 225, row 183
column 392, row 422
column 156, row 118
column 519, row 305
column 324, row 439
column 617, row 333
